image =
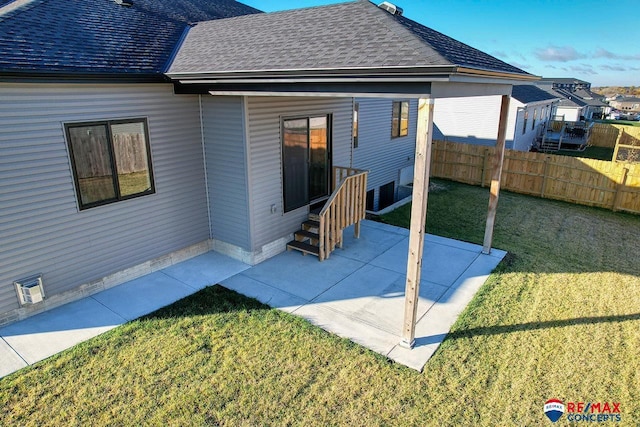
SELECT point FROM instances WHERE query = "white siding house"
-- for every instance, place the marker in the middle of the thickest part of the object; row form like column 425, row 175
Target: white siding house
column 570, row 112
column 474, row 120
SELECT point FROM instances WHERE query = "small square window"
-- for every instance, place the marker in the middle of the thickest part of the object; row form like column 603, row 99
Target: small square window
column 111, row 161
column 400, row 119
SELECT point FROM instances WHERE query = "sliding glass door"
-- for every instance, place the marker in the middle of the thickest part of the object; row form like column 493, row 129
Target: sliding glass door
column 306, row 146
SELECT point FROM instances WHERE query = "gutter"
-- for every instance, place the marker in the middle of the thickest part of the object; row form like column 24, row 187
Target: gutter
column 82, row 77
column 347, row 75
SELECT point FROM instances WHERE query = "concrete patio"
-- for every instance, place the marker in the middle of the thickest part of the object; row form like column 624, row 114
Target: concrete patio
column 358, row 293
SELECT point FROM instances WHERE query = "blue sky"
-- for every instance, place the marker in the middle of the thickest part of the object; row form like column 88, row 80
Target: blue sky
column 596, row 41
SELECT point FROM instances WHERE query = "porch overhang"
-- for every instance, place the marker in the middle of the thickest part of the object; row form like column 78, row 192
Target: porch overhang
column 450, row 81
column 447, row 82
column 325, row 89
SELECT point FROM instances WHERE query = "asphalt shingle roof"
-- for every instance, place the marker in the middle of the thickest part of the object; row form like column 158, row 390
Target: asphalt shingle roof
column 566, row 80
column 590, row 98
column 100, row 36
column 531, row 93
column 568, row 98
column 455, row 51
column 355, row 35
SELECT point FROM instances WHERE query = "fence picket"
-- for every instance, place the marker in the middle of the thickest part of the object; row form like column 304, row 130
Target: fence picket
column 572, row 179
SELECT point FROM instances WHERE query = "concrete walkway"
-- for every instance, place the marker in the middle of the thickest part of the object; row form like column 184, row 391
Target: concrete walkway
column 36, row 338
column 357, row 293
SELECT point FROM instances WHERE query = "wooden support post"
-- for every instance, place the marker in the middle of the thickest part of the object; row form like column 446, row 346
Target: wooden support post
column 418, row 219
column 615, row 150
column 496, row 174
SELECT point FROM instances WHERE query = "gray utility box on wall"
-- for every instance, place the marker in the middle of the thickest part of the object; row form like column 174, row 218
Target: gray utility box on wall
column 30, row 290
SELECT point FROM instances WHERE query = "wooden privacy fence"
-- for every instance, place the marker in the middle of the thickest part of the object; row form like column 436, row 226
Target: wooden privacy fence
column 627, row 148
column 609, row 185
column 603, row 135
column 93, row 159
column 607, row 135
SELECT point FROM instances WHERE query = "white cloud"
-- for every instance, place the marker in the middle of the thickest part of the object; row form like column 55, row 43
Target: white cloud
column 584, row 69
column 603, row 53
column 558, row 54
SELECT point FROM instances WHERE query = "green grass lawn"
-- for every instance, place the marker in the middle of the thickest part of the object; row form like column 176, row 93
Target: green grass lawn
column 598, row 153
column 620, row 122
column 560, row 318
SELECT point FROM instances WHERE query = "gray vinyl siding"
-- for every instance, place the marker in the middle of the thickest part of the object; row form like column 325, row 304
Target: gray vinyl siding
column 225, row 151
column 382, row 155
column 41, row 228
column 264, row 115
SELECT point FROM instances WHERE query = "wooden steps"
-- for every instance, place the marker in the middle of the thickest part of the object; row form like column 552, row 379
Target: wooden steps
column 311, row 224
column 302, row 235
column 303, row 247
column 307, row 239
column 322, row 232
column 550, row 146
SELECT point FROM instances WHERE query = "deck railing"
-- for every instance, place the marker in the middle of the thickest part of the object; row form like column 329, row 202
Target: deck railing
column 346, row 206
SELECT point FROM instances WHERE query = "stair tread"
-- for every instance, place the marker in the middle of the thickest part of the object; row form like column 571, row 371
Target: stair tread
column 305, row 247
column 311, row 223
column 307, row 233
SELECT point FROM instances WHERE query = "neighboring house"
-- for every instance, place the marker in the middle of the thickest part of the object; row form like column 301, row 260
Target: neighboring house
column 534, row 108
column 474, row 120
column 578, row 101
column 571, row 107
column 628, row 103
column 568, row 83
column 133, row 136
column 616, row 97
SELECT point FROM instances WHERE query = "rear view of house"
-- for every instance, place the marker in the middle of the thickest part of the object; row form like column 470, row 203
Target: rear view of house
column 133, row 136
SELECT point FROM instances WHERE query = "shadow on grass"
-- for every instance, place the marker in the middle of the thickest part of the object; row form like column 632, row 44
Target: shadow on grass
column 532, row 326
column 210, row 300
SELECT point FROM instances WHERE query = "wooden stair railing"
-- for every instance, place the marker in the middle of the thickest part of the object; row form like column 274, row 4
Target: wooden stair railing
column 346, row 206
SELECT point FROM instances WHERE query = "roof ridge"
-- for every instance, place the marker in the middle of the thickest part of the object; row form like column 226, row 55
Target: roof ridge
column 417, row 43
column 280, row 12
column 18, row 6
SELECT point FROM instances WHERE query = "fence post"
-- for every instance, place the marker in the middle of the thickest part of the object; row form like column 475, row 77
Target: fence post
column 485, row 160
column 618, row 139
column 619, row 188
column 544, row 176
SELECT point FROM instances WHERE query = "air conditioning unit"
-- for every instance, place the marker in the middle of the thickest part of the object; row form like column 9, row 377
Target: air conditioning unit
column 30, row 290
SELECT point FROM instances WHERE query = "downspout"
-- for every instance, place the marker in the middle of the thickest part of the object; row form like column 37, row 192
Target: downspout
column 353, row 106
column 204, row 159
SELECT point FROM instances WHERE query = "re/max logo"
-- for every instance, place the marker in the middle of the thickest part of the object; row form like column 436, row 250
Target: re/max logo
column 594, row 407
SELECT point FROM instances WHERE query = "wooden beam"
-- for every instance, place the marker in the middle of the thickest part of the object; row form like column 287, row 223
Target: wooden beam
column 496, row 175
column 418, row 219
